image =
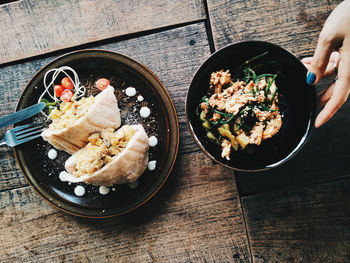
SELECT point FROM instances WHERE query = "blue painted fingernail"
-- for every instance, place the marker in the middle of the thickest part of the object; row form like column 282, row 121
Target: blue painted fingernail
column 310, row 78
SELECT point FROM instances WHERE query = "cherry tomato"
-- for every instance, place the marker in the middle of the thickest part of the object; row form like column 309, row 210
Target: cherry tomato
column 102, row 83
column 58, row 90
column 67, row 95
column 67, row 83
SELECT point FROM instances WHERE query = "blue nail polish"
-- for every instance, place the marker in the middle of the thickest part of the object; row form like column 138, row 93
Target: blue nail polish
column 310, row 78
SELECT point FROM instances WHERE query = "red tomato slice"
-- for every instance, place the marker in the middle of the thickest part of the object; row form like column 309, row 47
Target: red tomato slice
column 58, row 90
column 67, row 83
column 67, row 95
column 102, row 83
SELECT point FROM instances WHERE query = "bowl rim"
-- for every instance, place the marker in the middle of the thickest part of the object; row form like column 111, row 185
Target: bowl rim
column 175, row 142
column 302, row 141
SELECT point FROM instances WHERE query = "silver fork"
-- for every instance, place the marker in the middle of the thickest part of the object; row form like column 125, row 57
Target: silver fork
column 21, row 134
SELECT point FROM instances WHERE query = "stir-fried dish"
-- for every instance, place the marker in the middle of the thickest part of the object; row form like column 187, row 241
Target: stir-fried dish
column 237, row 113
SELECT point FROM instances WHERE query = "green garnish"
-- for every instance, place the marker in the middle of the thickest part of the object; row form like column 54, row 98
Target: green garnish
column 269, row 84
column 47, row 103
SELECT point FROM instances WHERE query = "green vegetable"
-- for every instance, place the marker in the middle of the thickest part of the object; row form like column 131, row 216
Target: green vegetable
column 47, row 103
column 226, row 126
column 223, row 113
column 254, row 58
column 212, row 137
column 269, row 84
column 203, row 116
column 206, row 125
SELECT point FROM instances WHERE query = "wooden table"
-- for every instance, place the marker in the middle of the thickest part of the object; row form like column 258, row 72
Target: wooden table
column 299, row 212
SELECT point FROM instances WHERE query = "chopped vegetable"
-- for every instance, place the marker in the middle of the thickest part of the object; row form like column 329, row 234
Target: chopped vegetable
column 67, row 95
column 102, row 83
column 67, row 83
column 58, row 90
column 52, row 95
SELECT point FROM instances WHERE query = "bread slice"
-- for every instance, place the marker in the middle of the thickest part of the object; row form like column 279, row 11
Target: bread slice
column 104, row 112
column 124, row 167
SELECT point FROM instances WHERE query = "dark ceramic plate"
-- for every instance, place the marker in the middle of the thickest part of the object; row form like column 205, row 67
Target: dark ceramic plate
column 43, row 173
column 297, row 102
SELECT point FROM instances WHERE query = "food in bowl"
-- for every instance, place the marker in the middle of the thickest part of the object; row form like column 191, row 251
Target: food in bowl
column 111, row 157
column 241, row 112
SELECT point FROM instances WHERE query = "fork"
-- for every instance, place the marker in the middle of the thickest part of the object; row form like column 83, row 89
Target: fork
column 21, row 134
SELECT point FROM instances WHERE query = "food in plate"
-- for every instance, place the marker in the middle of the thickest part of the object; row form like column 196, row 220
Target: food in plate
column 74, row 116
column 74, row 121
column 111, row 157
column 238, row 112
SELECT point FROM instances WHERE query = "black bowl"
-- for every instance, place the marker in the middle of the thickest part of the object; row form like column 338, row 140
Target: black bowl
column 297, row 102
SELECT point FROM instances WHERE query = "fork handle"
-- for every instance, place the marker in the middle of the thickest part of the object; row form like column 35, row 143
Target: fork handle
column 2, row 142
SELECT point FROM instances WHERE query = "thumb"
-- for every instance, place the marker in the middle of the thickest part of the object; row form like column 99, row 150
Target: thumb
column 320, row 59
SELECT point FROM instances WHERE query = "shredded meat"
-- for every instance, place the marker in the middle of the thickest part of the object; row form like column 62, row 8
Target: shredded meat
column 226, row 149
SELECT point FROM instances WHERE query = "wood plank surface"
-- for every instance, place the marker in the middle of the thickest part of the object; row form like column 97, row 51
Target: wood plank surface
column 35, row 27
column 172, row 55
column 293, row 24
column 196, row 217
column 306, row 224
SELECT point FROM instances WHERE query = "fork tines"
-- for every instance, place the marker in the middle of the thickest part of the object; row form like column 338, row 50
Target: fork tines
column 27, row 132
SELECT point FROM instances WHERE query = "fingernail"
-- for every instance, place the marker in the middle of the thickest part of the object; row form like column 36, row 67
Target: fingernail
column 310, row 78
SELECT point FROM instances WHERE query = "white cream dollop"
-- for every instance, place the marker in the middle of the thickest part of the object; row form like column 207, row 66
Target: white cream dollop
column 145, row 112
column 131, row 91
column 79, row 190
column 52, row 154
column 64, row 176
column 152, row 165
column 139, row 98
column 152, row 141
column 103, row 190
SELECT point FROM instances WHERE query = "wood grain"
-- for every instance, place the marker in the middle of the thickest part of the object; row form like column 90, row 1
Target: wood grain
column 172, row 55
column 196, row 217
column 306, row 224
column 37, row 27
column 293, row 24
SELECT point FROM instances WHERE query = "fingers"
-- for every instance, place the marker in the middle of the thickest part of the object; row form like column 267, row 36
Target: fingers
column 307, row 60
column 331, row 67
column 324, row 96
column 321, row 57
column 340, row 91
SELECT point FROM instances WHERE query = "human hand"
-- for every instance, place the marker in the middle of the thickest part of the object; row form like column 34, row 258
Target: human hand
column 332, row 52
